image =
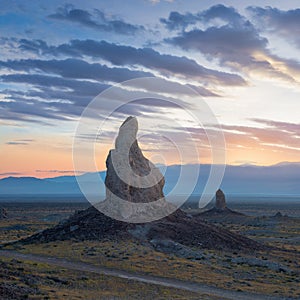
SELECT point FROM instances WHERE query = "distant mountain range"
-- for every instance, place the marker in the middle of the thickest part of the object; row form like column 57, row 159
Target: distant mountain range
column 280, row 179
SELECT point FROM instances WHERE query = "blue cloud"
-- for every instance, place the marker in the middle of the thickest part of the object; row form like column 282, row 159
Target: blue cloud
column 177, row 21
column 75, row 68
column 120, row 55
column 98, row 20
column 234, row 44
column 283, row 23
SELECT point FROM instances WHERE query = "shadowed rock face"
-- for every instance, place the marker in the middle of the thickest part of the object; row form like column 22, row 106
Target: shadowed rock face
column 3, row 213
column 179, row 228
column 141, row 181
column 134, row 185
column 278, row 215
column 220, row 200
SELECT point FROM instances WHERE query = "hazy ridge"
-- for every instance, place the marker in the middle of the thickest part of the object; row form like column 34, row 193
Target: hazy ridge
column 280, row 179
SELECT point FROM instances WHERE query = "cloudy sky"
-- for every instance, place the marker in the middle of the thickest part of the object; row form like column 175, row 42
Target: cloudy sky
column 240, row 58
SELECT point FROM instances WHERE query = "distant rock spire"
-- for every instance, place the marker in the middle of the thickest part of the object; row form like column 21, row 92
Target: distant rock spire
column 220, row 200
column 3, row 213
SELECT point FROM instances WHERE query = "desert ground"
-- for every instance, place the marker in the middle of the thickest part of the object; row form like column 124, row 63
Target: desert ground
column 130, row 269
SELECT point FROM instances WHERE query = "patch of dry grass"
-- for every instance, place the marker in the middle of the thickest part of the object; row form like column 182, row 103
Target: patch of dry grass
column 16, row 229
column 218, row 271
column 51, row 282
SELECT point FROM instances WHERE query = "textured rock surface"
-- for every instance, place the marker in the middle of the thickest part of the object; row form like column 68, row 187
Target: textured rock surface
column 134, row 185
column 128, row 161
column 220, row 200
column 178, row 228
column 3, row 213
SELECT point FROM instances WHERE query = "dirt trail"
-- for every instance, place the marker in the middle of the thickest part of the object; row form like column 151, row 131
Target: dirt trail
column 167, row 282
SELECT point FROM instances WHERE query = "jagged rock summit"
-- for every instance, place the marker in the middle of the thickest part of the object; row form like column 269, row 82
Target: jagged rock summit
column 134, row 193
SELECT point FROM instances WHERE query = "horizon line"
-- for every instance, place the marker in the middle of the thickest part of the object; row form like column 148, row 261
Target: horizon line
column 72, row 173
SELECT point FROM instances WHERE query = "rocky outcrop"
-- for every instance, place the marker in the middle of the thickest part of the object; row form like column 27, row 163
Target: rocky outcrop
column 130, row 175
column 178, row 229
column 135, row 192
column 278, row 215
column 220, row 200
column 3, row 213
column 220, row 209
column 134, row 185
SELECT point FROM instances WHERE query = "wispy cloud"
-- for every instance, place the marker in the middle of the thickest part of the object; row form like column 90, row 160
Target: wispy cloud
column 120, row 55
column 60, row 171
column 11, row 174
column 20, row 142
column 74, row 68
column 158, row 1
column 97, row 20
column 275, row 135
column 292, row 128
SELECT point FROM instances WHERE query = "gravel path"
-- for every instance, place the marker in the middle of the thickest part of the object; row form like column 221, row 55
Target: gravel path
column 166, row 282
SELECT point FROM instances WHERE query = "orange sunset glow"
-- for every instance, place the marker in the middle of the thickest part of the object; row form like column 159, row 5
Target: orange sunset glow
column 245, row 67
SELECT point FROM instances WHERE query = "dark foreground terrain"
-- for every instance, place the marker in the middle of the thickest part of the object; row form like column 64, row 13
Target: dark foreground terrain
column 270, row 273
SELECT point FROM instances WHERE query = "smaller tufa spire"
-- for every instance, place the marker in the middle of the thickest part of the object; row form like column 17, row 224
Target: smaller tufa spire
column 220, row 200
column 3, row 213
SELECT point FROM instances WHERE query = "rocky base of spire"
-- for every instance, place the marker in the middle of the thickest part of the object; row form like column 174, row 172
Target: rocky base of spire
column 178, row 227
